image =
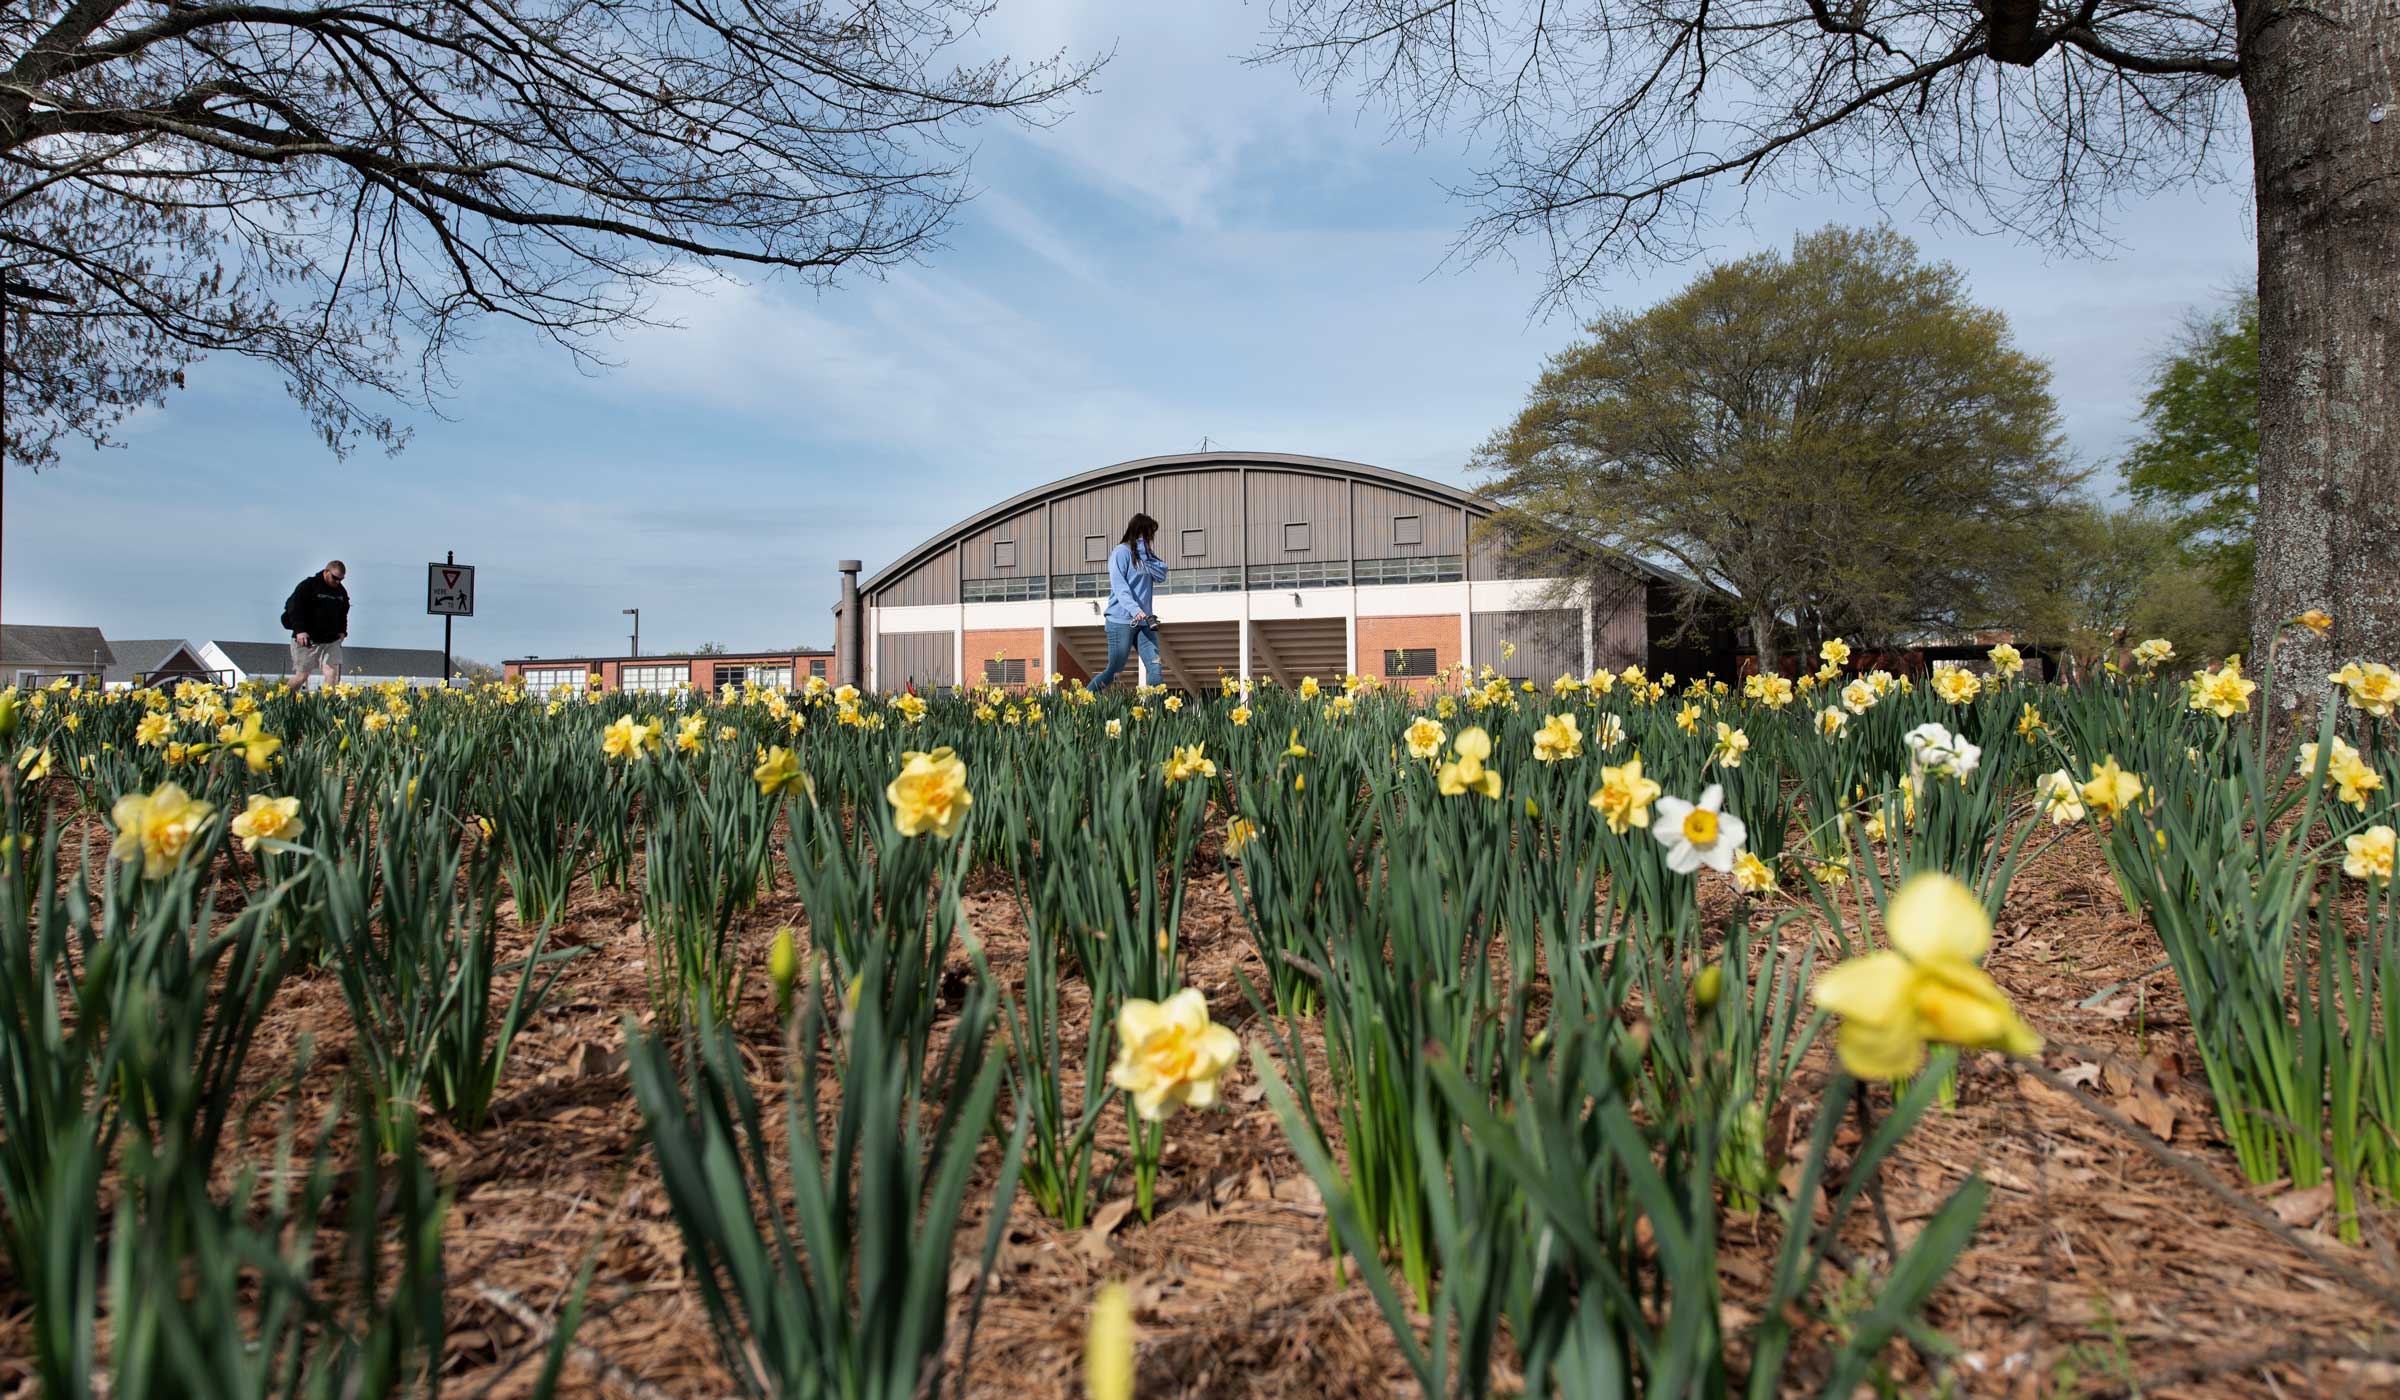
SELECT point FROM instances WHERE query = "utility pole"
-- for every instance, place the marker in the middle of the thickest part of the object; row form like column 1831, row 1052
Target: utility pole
column 636, row 615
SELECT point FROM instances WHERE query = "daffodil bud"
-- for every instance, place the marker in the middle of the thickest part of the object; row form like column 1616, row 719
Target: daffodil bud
column 8, row 714
column 1708, row 986
column 783, row 966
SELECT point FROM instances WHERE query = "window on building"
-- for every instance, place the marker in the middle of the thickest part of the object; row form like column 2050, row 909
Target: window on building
column 1004, row 554
column 1012, row 589
column 1195, row 544
column 1418, row 568
column 816, row 666
column 1324, row 573
column 1080, row 585
column 652, row 680
column 1095, row 549
column 1222, row 579
column 1408, row 529
column 1409, row 661
column 545, row 681
column 1004, row 672
column 771, row 677
column 727, row 676
column 1295, row 535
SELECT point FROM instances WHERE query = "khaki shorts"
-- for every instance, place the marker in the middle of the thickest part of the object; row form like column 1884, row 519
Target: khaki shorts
column 305, row 660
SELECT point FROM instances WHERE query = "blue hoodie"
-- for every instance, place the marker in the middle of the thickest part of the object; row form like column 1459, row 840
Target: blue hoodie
column 1130, row 580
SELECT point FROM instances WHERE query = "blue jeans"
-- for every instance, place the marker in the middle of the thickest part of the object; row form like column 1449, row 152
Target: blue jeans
column 1124, row 637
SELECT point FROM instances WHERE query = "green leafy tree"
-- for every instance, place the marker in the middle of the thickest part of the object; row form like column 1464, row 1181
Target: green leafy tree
column 1616, row 130
column 2198, row 455
column 1838, row 437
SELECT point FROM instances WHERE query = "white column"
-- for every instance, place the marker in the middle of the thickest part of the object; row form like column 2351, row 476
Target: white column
column 1049, row 648
column 873, row 632
column 1244, row 626
column 1466, row 629
column 958, row 647
column 1350, row 630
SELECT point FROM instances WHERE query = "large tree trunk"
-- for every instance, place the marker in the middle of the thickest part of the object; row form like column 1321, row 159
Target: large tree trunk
column 1762, row 639
column 2328, row 195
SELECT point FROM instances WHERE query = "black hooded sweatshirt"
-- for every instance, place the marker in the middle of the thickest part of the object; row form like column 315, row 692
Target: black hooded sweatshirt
column 319, row 608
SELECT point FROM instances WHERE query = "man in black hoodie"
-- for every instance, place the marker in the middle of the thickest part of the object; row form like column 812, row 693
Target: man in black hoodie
column 318, row 617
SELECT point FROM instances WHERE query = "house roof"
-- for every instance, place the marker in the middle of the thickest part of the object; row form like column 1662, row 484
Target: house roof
column 136, row 659
column 62, row 648
column 275, row 659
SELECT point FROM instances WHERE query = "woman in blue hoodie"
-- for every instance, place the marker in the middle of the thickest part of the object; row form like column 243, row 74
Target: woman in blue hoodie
column 1134, row 568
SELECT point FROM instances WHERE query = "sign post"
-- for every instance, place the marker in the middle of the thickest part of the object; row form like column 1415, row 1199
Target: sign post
column 449, row 592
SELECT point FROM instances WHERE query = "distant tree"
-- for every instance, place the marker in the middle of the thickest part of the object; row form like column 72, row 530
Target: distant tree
column 2198, row 454
column 2101, row 565
column 338, row 191
column 711, row 649
column 2181, row 603
column 1837, row 437
column 475, row 670
column 1614, row 126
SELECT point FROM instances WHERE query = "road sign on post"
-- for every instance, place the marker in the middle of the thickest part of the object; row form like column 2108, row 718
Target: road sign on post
column 450, row 590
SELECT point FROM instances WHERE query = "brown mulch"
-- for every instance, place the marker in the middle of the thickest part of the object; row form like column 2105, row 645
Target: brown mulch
column 2096, row 1269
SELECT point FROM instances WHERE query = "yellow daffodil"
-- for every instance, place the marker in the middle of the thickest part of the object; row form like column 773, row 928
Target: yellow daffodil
column 157, row 826
column 2369, row 854
column 1424, row 737
column 2316, row 620
column 1239, row 833
column 930, row 794
column 1466, row 771
column 1956, row 685
column 913, row 706
column 1835, row 653
column 2224, row 692
column 1928, row 986
column 2373, row 687
column 2030, row 722
column 1831, row 722
column 1625, row 796
column 1295, row 749
column 2154, row 653
column 1187, row 761
column 268, row 819
column 1687, row 719
column 778, row 770
column 1731, row 747
column 1308, row 688
column 2111, row 789
column 1114, row 728
column 1560, row 738
column 1859, row 696
column 1240, row 716
column 626, row 737
column 153, row 731
column 1170, row 1054
column 1751, row 875
column 2007, row 661
column 33, row 764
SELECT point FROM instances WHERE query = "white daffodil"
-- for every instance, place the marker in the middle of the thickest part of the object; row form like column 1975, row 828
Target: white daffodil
column 1698, row 834
column 1934, row 749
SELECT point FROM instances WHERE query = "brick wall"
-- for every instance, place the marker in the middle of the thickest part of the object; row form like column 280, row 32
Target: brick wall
column 1377, row 635
column 1014, row 643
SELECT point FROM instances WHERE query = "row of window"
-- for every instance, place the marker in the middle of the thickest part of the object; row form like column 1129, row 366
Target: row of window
column 1324, row 573
column 1298, row 537
column 662, row 679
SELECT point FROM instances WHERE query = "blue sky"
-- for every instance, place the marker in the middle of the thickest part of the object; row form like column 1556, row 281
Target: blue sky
column 1202, row 250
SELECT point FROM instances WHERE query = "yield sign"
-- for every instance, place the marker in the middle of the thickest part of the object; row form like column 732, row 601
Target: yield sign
column 450, row 589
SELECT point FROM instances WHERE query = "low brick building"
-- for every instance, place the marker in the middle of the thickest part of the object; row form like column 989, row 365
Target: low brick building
column 661, row 675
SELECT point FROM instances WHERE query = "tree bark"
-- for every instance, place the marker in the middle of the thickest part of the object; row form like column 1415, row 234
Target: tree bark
column 2328, row 200
column 1762, row 638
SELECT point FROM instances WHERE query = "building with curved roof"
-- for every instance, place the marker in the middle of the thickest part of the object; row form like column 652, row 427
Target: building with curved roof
column 1280, row 566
